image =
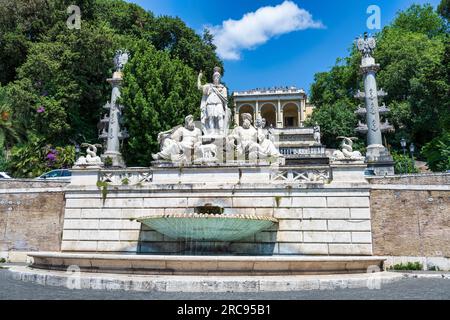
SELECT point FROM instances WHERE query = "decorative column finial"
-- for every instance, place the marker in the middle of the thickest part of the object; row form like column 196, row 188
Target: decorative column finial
column 366, row 45
column 120, row 59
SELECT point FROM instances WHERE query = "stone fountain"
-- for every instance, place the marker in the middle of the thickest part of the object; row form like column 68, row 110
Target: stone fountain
column 214, row 186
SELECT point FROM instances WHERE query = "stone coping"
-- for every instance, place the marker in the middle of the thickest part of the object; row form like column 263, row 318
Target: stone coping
column 414, row 187
column 412, row 175
column 229, row 187
column 211, row 216
column 206, row 265
column 206, row 258
column 191, row 284
column 160, row 166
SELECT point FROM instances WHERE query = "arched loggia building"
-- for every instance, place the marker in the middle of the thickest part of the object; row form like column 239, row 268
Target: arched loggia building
column 281, row 107
column 286, row 111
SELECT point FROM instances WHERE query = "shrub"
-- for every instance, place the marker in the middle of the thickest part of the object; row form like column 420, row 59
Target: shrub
column 410, row 266
column 437, row 153
column 35, row 158
column 404, row 164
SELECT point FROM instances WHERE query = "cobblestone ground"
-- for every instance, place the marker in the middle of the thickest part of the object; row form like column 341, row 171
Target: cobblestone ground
column 422, row 289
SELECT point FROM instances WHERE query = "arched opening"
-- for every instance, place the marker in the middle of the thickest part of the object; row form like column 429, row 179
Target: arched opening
column 246, row 109
column 268, row 112
column 290, row 115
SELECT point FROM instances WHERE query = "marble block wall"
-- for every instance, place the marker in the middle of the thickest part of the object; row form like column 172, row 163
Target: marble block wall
column 325, row 220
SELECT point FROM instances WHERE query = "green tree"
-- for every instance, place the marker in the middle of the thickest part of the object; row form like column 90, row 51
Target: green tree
column 444, row 9
column 56, row 76
column 413, row 76
column 437, row 153
column 337, row 85
column 414, row 56
column 420, row 19
column 335, row 120
column 172, row 35
column 403, row 164
column 159, row 92
column 60, row 88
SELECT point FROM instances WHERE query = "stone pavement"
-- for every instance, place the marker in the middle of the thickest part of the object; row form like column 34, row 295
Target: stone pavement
column 429, row 289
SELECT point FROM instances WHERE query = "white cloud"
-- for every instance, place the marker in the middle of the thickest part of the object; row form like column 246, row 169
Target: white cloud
column 256, row 28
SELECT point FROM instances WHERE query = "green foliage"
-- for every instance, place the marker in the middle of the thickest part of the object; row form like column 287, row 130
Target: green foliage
column 414, row 54
column 32, row 159
column 410, row 266
column 335, row 120
column 103, row 186
column 61, row 72
column 9, row 133
column 172, row 35
column 337, row 85
column 413, row 75
column 4, row 163
column 444, row 9
column 420, row 19
column 437, row 153
column 159, row 93
column 108, row 162
column 404, row 164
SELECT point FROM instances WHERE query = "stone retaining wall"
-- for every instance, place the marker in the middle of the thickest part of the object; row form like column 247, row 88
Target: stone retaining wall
column 411, row 220
column 31, row 216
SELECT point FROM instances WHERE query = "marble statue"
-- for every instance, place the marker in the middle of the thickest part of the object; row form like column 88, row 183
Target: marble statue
column 245, row 137
column 180, row 143
column 91, row 158
column 261, row 126
column 265, row 149
column 366, row 45
column 252, row 141
column 214, row 106
column 121, row 59
column 347, row 152
column 317, row 136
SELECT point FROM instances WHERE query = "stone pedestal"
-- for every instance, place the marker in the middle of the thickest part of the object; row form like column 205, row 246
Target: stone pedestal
column 116, row 159
column 348, row 171
column 85, row 177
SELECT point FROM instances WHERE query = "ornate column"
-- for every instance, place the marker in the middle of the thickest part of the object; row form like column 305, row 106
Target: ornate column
column 115, row 135
column 377, row 156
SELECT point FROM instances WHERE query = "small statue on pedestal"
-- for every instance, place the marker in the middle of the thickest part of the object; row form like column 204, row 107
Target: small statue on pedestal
column 91, row 158
column 347, row 152
column 317, row 135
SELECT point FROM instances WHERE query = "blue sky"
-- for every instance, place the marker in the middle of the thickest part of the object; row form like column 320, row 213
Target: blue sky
column 321, row 31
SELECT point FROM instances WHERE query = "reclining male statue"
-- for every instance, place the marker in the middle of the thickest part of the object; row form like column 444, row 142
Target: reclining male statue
column 179, row 143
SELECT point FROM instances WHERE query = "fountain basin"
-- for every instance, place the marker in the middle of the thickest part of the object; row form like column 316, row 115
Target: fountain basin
column 206, row 227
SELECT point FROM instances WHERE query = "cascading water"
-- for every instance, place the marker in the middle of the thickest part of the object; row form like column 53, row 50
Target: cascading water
column 207, row 231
